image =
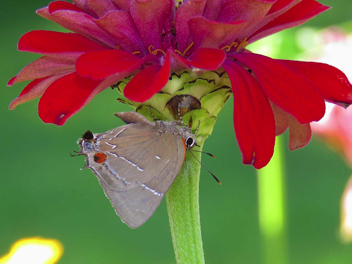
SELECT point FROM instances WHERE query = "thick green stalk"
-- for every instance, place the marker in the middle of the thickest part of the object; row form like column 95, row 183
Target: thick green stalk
column 183, row 209
column 271, row 202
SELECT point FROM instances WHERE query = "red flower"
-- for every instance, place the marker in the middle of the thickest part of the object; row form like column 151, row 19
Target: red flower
column 151, row 39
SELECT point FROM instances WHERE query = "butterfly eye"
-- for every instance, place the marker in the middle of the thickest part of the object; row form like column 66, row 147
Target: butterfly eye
column 190, row 142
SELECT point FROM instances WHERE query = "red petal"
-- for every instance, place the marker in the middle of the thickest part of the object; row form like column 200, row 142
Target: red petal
column 281, row 119
column 11, row 81
column 280, row 5
column 43, row 67
column 211, row 34
column 95, row 7
column 101, row 64
column 202, row 58
column 127, row 36
column 78, row 22
column 180, row 62
column 152, row 19
column 253, row 118
column 207, row 59
column 42, row 41
column 148, row 82
column 328, row 80
column 33, row 90
column 63, row 5
column 285, row 87
column 300, row 134
column 122, row 4
column 297, row 15
column 244, row 10
column 65, row 97
column 183, row 14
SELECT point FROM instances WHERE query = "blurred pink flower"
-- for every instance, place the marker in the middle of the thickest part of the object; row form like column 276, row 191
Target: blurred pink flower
column 336, row 130
column 336, row 126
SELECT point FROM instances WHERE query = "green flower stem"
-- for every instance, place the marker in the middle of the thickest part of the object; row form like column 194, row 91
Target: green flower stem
column 183, row 208
column 272, row 219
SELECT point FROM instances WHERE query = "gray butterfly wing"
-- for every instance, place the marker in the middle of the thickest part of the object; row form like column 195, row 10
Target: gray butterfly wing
column 140, row 166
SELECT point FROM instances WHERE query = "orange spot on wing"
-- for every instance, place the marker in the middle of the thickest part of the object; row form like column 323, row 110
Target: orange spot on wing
column 185, row 148
column 99, row 157
column 184, row 144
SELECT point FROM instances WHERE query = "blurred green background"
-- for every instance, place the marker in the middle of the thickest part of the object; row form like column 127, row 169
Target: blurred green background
column 44, row 193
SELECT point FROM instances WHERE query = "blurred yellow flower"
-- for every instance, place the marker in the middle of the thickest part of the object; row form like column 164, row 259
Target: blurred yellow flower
column 346, row 213
column 34, row 250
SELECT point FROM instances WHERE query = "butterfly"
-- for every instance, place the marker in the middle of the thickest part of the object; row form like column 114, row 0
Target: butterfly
column 137, row 163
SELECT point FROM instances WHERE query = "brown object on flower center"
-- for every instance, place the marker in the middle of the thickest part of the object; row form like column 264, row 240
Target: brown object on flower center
column 180, row 105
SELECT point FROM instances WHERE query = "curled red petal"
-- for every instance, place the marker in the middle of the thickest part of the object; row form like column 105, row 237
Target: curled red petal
column 43, row 67
column 207, row 58
column 42, row 41
column 295, row 16
column 300, row 134
column 148, row 82
column 65, row 97
column 63, row 5
column 285, row 87
column 281, row 119
column 11, row 81
column 101, row 64
column 332, row 83
column 79, row 22
column 253, row 118
column 33, row 90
